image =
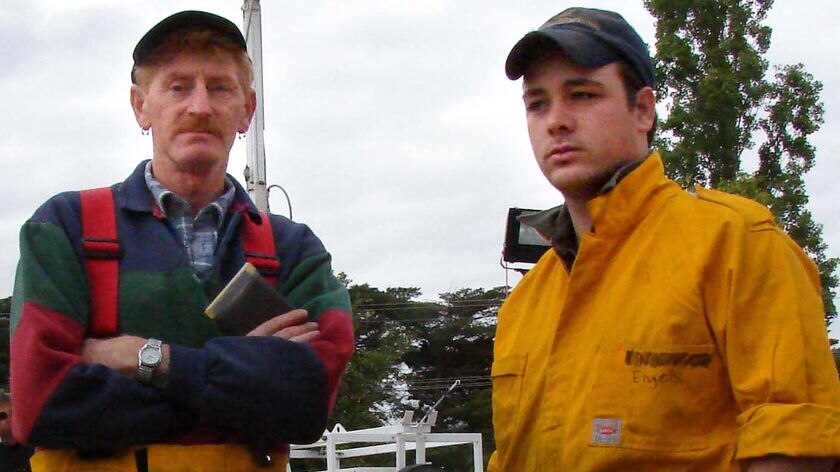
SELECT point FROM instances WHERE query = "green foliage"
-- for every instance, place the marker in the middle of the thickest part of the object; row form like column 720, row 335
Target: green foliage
column 713, row 78
column 457, row 345
column 5, row 312
column 369, row 393
column 710, row 71
column 836, row 353
column 409, row 352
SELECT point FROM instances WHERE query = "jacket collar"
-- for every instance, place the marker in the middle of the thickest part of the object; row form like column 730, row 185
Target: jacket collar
column 627, row 197
column 634, row 197
column 556, row 224
column 133, row 194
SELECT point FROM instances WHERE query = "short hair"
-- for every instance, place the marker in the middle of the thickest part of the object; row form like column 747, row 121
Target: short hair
column 632, row 84
column 203, row 41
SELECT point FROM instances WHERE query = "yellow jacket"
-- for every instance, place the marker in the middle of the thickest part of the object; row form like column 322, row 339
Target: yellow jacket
column 688, row 335
column 160, row 457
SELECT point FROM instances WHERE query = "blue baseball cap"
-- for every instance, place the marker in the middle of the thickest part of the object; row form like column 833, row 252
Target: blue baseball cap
column 588, row 37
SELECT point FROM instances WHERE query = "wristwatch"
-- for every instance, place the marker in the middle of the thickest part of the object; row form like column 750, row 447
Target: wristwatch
column 148, row 357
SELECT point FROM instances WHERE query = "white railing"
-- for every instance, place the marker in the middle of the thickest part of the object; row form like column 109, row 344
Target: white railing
column 395, row 439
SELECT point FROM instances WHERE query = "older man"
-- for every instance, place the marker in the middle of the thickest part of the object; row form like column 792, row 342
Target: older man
column 665, row 330
column 114, row 365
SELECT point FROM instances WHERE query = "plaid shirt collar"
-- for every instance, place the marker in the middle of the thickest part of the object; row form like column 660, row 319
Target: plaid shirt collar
column 199, row 234
column 167, row 201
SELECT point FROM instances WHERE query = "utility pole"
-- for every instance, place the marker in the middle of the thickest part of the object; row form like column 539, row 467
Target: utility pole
column 255, row 178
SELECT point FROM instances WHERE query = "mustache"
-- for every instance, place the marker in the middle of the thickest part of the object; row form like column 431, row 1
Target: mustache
column 203, row 125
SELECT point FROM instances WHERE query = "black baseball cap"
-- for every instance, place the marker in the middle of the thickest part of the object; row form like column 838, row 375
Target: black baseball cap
column 179, row 23
column 588, row 37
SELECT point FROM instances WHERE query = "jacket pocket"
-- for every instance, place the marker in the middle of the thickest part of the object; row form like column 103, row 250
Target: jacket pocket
column 507, row 373
column 658, row 398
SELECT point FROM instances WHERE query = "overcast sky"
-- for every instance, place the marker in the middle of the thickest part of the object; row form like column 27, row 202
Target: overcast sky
column 390, row 124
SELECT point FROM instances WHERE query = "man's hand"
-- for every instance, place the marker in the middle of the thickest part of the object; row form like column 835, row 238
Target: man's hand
column 119, row 353
column 791, row 464
column 292, row 326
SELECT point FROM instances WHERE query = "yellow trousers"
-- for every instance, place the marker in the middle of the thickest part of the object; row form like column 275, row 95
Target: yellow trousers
column 161, row 458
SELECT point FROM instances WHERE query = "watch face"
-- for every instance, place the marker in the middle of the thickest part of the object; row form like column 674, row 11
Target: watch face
column 149, row 355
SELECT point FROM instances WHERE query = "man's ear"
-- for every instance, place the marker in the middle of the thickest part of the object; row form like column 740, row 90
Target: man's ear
column 250, row 108
column 138, row 98
column 645, row 109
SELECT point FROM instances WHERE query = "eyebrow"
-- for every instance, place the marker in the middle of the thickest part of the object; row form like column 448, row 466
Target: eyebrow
column 533, row 92
column 176, row 76
column 582, row 81
column 568, row 83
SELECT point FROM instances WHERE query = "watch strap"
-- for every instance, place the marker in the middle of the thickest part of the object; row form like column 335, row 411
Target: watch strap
column 144, row 373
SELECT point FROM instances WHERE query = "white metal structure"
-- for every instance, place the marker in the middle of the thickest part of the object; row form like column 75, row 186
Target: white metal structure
column 395, row 439
column 255, row 178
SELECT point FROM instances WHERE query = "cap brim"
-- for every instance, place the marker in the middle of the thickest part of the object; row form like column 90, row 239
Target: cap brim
column 184, row 21
column 581, row 47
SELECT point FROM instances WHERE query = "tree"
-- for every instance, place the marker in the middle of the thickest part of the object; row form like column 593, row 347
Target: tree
column 372, row 391
column 369, row 394
column 408, row 352
column 5, row 313
column 721, row 101
column 836, row 353
column 457, row 344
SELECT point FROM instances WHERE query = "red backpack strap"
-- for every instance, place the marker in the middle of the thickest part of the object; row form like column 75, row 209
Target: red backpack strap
column 258, row 243
column 102, row 254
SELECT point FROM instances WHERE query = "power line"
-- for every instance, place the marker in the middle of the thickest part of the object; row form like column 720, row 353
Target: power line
column 423, row 305
column 443, row 383
column 474, row 382
column 481, row 308
column 441, row 302
column 449, row 380
column 399, row 321
column 435, row 316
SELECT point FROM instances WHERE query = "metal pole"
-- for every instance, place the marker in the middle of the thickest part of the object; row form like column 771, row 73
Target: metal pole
column 420, row 449
column 255, row 178
column 478, row 455
column 400, row 452
column 333, row 464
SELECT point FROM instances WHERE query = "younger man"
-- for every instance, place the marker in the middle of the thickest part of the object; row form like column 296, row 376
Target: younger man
column 665, row 330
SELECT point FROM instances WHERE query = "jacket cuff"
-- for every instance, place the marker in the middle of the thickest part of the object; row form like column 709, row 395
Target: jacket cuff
column 187, row 374
column 798, row 430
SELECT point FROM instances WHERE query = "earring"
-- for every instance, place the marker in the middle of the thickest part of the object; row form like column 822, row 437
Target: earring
column 144, row 131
